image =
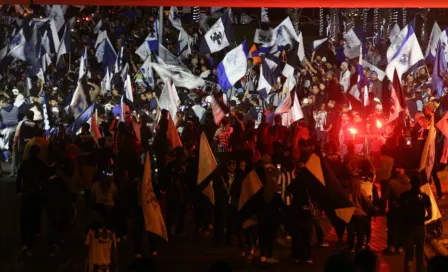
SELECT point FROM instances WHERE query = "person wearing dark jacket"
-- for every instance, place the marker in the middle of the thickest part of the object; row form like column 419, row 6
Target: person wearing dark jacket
column 302, row 213
column 416, row 210
column 58, row 207
column 30, row 178
column 269, row 212
column 222, row 186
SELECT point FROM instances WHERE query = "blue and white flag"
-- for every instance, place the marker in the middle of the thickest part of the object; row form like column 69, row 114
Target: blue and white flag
column 98, row 27
column 318, row 43
column 57, row 16
column 274, row 40
column 174, row 18
column 79, row 102
column 351, row 45
column 233, row 67
column 102, row 36
column 439, row 71
column 128, row 89
column 83, row 63
column 408, row 57
column 143, row 51
column 430, row 54
column 45, row 111
column 395, row 31
column 179, row 76
column 396, row 43
column 268, row 75
column 17, row 46
column 66, row 43
column 219, row 36
column 82, row 118
column 106, row 82
column 153, row 37
column 109, row 55
column 53, row 37
column 264, row 15
column 184, row 45
column 264, row 37
column 147, row 72
column 362, row 81
column 119, row 60
column 379, row 72
column 165, row 57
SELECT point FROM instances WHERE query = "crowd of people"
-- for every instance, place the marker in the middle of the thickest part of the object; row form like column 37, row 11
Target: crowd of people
column 376, row 162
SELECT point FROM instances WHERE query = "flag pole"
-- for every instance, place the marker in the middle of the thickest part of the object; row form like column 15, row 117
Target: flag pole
column 160, row 25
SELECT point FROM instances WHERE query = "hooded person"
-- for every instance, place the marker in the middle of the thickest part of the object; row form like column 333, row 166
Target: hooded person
column 9, row 114
column 398, row 184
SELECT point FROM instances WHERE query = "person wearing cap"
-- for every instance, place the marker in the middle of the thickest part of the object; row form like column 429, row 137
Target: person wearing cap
column 344, row 78
column 375, row 86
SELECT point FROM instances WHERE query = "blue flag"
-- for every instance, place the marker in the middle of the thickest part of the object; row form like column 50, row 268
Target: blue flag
column 233, row 67
column 82, row 119
column 439, row 71
column 110, row 56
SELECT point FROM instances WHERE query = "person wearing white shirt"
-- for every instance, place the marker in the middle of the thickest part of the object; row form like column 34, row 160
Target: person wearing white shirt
column 344, row 78
column 198, row 109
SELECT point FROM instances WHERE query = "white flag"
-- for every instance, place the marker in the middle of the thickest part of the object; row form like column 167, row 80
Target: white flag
column 264, row 15
column 433, row 40
column 57, row 16
column 175, row 18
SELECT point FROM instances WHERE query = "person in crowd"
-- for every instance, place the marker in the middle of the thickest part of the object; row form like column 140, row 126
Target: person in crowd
column 416, row 209
column 32, row 175
column 222, row 136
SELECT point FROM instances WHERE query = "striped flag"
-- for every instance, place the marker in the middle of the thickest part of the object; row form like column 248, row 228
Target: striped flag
column 152, row 213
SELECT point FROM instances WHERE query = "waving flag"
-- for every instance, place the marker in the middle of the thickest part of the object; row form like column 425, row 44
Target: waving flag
column 153, row 37
column 128, row 89
column 100, row 38
column 167, row 100
column 426, row 165
column 119, row 61
column 233, row 67
column 57, row 16
column 167, row 58
column 66, row 43
column 83, row 63
column 207, row 165
column 251, row 185
column 147, row 72
column 295, row 58
column 219, row 36
column 362, row 82
column 430, row 54
column 109, row 55
column 143, row 51
column 395, row 94
column 268, row 75
column 439, row 71
column 79, row 101
column 394, row 33
column 172, row 135
column 45, row 112
column 184, row 45
column 217, row 110
column 152, row 212
column 264, row 15
column 381, row 74
column 17, row 46
column 318, row 43
column 81, row 119
column 352, row 44
column 408, row 57
column 94, row 130
column 264, row 37
column 175, row 18
column 98, row 27
column 178, row 76
column 106, row 82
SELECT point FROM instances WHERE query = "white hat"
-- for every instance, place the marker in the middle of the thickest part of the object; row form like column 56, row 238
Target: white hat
column 345, row 64
column 15, row 91
column 324, row 59
column 376, row 99
column 305, row 101
column 378, row 107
